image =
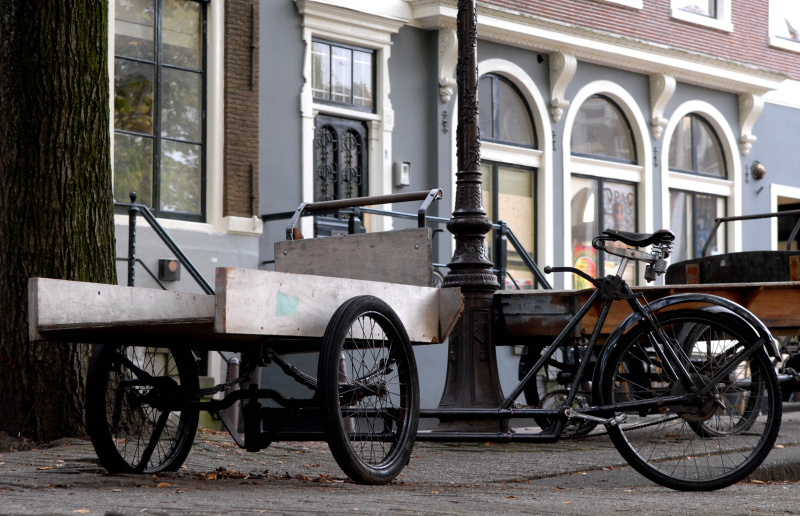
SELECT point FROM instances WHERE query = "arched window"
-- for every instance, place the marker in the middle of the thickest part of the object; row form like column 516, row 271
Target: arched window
column 601, row 130
column 600, row 200
column 509, row 188
column 696, row 149
column 504, row 115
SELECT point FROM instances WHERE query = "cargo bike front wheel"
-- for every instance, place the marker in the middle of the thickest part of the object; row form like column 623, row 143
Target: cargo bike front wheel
column 368, row 390
column 136, row 411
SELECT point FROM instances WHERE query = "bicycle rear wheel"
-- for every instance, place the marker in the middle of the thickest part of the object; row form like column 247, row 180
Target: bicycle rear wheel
column 702, row 443
column 134, row 412
column 368, row 391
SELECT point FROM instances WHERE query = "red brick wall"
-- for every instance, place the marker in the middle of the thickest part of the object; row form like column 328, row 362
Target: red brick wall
column 241, row 109
column 747, row 44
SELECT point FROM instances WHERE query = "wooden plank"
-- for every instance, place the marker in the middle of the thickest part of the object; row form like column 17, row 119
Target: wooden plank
column 63, row 305
column 402, row 256
column 299, row 305
column 547, row 312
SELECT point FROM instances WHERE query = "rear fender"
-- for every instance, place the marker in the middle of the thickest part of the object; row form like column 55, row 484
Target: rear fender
column 714, row 303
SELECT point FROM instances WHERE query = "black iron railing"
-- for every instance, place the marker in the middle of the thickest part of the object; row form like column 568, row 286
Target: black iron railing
column 134, row 210
column 357, row 206
column 718, row 222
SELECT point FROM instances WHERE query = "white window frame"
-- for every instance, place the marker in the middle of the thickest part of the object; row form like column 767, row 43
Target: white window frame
column 640, row 173
column 540, row 159
column 635, row 4
column 329, row 21
column 722, row 21
column 776, row 23
column 730, row 188
column 215, row 132
column 775, row 191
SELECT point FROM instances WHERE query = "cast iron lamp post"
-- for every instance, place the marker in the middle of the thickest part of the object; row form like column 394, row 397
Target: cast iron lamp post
column 472, row 379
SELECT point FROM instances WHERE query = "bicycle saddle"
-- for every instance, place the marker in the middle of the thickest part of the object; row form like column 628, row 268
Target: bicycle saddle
column 662, row 236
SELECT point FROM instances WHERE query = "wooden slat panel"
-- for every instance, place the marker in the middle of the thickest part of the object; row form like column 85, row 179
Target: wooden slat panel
column 402, row 256
column 59, row 305
column 299, row 305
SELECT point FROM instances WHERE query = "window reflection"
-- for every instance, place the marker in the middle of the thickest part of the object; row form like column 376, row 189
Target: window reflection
column 159, row 87
column 342, row 74
column 696, row 148
column 602, row 130
column 504, row 115
column 597, row 205
column 692, row 219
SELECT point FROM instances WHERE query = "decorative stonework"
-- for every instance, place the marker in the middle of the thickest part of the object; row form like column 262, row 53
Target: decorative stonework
column 562, row 70
column 662, row 87
column 750, row 108
column 448, row 57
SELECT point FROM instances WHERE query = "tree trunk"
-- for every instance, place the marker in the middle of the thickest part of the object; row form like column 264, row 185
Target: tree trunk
column 56, row 212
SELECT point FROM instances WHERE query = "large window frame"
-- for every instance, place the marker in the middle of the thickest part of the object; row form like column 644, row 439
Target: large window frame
column 621, row 114
column 157, row 137
column 697, row 122
column 351, row 103
column 692, row 237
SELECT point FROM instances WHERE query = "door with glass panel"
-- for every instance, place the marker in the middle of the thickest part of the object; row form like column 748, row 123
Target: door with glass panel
column 508, row 195
column 599, row 204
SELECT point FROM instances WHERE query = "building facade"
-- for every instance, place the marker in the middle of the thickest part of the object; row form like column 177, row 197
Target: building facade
column 594, row 114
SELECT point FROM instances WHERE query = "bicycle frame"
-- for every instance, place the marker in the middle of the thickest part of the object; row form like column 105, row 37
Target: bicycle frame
column 609, row 290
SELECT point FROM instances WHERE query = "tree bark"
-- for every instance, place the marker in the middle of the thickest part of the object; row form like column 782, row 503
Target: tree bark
column 56, row 205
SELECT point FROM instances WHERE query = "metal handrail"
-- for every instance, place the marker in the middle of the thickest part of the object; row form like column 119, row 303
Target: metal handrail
column 355, row 207
column 718, row 222
column 336, row 206
column 133, row 211
column 146, row 268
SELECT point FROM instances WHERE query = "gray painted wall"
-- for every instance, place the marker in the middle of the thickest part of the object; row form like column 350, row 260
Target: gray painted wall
column 280, row 83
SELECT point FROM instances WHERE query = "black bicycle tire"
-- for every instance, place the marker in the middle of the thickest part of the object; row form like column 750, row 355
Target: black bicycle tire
column 678, row 442
column 370, row 460
column 533, row 399
column 117, row 449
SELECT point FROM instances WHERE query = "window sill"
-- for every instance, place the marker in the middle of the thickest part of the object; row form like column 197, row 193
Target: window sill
column 634, row 4
column 722, row 24
column 229, row 225
column 784, row 44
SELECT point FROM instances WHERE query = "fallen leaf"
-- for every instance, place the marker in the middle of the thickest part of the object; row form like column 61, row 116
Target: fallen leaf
column 567, row 502
column 753, row 481
column 44, row 468
column 163, row 484
column 81, row 511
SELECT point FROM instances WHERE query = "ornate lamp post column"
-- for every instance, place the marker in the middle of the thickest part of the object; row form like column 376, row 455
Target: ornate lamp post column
column 472, row 379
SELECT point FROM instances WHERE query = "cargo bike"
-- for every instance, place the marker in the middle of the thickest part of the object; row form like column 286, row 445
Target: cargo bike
column 683, row 385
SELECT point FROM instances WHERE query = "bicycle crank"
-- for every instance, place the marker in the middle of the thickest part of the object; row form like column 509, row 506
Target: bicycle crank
column 570, row 413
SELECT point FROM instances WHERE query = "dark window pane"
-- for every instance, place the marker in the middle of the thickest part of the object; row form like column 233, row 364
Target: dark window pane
column 351, row 150
column 133, row 96
column 709, row 153
column 486, row 108
column 513, row 119
column 601, row 130
column 133, row 168
column 134, row 28
column 182, row 34
column 181, row 104
column 680, row 148
column 181, row 177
